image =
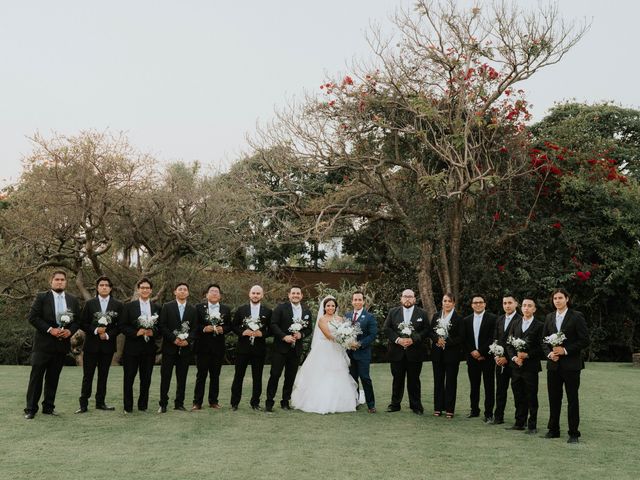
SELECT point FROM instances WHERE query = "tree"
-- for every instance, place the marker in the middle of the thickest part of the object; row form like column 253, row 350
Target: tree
column 411, row 140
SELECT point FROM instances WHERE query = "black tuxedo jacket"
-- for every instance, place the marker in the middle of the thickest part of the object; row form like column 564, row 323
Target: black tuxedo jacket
column 453, row 349
column 281, row 320
column 244, row 346
column 485, row 336
column 170, row 322
column 212, row 343
column 500, row 335
column 128, row 325
column 43, row 316
column 574, row 327
column 420, row 321
column 533, row 337
column 92, row 342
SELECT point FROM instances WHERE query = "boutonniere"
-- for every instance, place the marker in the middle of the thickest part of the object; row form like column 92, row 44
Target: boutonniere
column 306, row 317
column 419, row 319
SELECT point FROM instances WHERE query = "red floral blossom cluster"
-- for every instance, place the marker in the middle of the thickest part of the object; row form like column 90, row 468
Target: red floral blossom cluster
column 583, row 276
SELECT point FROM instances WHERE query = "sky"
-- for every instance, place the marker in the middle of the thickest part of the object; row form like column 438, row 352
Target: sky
column 189, row 80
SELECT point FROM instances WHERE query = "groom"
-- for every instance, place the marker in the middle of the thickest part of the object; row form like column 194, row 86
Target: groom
column 287, row 346
column 361, row 357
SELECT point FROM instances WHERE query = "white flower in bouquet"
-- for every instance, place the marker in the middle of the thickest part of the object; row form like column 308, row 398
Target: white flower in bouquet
column 148, row 321
column 298, row 324
column 65, row 318
column 183, row 333
column 496, row 350
column 345, row 333
column 555, row 339
column 518, row 343
column 405, row 329
column 103, row 319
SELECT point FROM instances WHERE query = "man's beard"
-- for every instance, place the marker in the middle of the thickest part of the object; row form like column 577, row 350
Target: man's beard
column 58, row 290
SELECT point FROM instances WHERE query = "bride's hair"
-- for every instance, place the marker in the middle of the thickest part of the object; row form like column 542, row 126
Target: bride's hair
column 329, row 299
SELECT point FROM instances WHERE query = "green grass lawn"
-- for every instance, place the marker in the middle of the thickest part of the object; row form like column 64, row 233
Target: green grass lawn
column 293, row 445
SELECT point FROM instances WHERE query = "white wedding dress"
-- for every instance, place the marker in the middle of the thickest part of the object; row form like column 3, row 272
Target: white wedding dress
column 323, row 383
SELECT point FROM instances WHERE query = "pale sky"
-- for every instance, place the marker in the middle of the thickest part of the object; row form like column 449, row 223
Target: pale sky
column 187, row 80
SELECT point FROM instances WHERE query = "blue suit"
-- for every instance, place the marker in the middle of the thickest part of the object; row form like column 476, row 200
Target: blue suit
column 361, row 358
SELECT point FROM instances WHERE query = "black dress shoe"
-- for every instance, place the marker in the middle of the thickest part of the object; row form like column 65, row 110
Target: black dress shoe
column 573, row 440
column 531, row 431
column 552, row 435
column 257, row 407
column 488, row 420
column 515, row 427
column 285, row 405
column 180, row 408
column 53, row 413
column 268, row 409
column 473, row 415
column 162, row 410
column 234, row 408
column 417, row 411
column 29, row 415
column 106, row 407
column 393, row 408
column 82, row 410
column 498, row 421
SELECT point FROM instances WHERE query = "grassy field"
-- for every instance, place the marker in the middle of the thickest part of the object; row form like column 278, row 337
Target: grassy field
column 295, row 445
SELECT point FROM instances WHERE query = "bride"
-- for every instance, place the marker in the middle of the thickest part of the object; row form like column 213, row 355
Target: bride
column 323, row 384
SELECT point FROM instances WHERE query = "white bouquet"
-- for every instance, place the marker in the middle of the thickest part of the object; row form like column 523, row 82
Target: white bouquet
column 183, row 333
column 103, row 320
column 148, row 322
column 65, row 318
column 555, row 339
column 214, row 319
column 518, row 343
column 297, row 325
column 254, row 324
column 345, row 333
column 405, row 329
column 496, row 350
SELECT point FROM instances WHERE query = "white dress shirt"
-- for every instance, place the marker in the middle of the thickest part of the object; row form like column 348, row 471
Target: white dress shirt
column 477, row 323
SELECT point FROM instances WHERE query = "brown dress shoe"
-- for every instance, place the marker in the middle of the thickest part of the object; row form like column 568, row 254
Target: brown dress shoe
column 196, row 407
column 215, row 405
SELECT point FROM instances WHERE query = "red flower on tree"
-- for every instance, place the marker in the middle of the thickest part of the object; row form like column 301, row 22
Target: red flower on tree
column 496, row 216
column 557, row 226
column 583, row 276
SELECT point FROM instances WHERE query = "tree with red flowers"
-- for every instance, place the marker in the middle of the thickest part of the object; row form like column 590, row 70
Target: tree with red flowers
column 413, row 140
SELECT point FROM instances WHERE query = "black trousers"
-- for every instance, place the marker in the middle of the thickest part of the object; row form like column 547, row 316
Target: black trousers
column 90, row 362
column 359, row 369
column 411, row 371
column 482, row 372
column 289, row 363
column 257, row 366
column 445, row 386
column 525, row 397
column 131, row 364
column 503, row 377
column 181, row 363
column 208, row 365
column 571, row 381
column 45, row 369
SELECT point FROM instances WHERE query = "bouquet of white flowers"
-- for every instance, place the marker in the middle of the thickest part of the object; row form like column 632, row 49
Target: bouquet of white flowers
column 297, row 325
column 254, row 324
column 345, row 333
column 496, row 350
column 214, row 319
column 555, row 339
column 183, row 332
column 103, row 320
column 148, row 322
column 405, row 329
column 65, row 318
column 518, row 343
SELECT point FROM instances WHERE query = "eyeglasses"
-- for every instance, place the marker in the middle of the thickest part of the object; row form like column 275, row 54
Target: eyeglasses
column 477, row 303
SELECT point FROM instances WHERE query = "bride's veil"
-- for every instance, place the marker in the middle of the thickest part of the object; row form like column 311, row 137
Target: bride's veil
column 316, row 331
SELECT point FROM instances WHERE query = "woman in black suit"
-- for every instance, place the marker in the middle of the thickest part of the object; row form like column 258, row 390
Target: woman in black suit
column 446, row 333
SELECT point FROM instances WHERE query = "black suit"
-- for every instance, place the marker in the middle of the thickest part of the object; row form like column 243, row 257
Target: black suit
column 446, row 364
column 209, row 353
column 480, row 371
column 48, row 353
column 97, row 353
column 407, row 362
column 137, row 354
column 248, row 353
column 173, row 355
column 285, row 356
column 503, row 374
column 566, row 371
column 524, row 379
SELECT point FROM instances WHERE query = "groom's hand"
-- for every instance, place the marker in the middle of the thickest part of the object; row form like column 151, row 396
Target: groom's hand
column 289, row 339
column 297, row 335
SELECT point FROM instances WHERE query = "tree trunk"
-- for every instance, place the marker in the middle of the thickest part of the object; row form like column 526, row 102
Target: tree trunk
column 424, row 278
column 454, row 246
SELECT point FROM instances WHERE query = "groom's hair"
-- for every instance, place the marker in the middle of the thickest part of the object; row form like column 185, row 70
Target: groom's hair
column 358, row 292
column 330, row 299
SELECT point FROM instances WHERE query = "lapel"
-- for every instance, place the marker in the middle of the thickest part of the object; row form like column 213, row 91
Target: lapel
column 137, row 310
column 52, row 302
column 563, row 326
column 263, row 312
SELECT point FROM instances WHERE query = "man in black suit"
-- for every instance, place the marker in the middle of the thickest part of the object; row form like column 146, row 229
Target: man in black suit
column 139, row 344
column 287, row 345
column 479, row 329
column 503, row 367
column 564, row 363
column 54, row 315
column 251, row 349
column 525, row 366
column 99, row 321
column 178, row 326
column 214, row 322
column 407, row 328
